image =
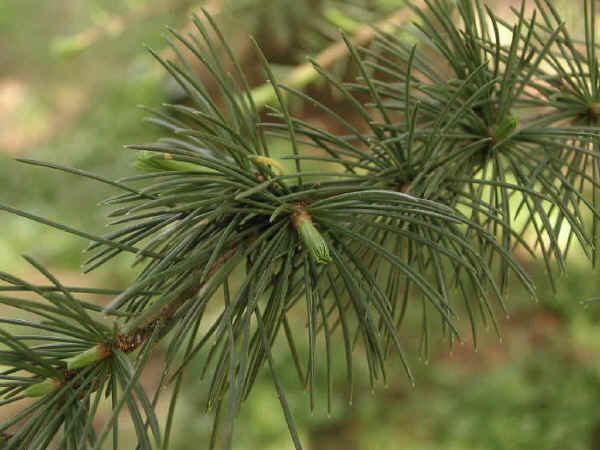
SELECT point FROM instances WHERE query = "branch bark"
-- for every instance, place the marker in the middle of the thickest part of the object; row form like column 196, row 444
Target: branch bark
column 305, row 73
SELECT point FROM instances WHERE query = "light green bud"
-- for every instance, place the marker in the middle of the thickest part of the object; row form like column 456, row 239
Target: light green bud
column 504, row 128
column 147, row 161
column 43, row 388
column 90, row 356
column 310, row 236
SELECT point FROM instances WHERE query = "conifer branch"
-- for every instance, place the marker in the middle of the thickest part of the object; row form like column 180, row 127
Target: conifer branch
column 445, row 166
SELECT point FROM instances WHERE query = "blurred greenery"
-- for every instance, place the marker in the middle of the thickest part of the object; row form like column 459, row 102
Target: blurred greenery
column 537, row 389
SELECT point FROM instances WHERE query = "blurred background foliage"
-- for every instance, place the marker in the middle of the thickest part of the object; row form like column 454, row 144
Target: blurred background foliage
column 71, row 73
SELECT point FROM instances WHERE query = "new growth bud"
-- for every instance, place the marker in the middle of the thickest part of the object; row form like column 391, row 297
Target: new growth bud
column 43, row 388
column 310, row 236
column 90, row 356
column 504, row 128
column 147, row 161
column 273, row 163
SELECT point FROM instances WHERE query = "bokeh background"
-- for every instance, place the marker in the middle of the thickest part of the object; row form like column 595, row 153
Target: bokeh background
column 71, row 75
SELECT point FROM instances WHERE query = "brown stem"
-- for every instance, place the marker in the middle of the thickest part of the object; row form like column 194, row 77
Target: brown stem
column 128, row 342
column 305, row 73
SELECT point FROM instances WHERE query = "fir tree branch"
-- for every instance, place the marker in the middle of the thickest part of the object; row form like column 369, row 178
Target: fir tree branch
column 429, row 196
